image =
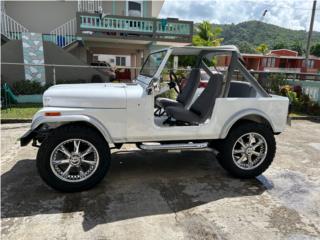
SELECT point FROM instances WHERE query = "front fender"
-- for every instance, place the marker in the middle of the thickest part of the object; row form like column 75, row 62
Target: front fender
column 240, row 115
column 40, row 119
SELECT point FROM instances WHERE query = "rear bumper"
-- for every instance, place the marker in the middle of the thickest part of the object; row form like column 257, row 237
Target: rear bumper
column 27, row 137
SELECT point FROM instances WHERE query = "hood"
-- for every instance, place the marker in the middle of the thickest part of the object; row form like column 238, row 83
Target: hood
column 93, row 95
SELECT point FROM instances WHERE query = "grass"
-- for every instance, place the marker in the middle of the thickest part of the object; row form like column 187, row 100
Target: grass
column 20, row 111
column 296, row 114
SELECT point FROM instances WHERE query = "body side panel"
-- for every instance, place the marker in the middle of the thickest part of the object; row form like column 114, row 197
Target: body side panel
column 136, row 123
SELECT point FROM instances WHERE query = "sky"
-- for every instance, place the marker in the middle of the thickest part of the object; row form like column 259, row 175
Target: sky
column 293, row 14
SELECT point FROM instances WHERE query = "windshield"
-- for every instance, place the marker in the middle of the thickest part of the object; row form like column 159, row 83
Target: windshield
column 152, row 63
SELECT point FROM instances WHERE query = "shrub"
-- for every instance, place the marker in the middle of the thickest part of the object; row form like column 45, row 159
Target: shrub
column 26, row 87
column 284, row 90
column 298, row 90
column 273, row 83
column 300, row 102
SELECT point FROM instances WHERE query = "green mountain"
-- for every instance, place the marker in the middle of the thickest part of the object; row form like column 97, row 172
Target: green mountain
column 248, row 35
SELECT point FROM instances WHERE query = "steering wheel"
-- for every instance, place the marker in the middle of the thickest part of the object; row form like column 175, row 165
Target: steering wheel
column 174, row 82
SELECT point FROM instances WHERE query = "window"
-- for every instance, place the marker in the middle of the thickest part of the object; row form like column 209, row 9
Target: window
column 310, row 63
column 269, row 62
column 121, row 61
column 134, row 8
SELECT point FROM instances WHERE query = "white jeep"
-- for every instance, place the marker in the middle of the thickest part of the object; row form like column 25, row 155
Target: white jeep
column 80, row 123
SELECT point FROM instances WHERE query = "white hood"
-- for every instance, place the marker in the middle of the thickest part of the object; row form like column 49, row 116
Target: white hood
column 94, row 95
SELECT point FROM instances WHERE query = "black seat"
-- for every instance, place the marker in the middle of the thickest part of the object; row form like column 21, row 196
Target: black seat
column 240, row 89
column 202, row 108
column 185, row 96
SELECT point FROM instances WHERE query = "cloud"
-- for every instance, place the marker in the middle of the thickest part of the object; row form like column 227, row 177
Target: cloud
column 293, row 14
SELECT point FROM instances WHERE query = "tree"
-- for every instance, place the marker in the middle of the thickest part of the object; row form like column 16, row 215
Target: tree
column 280, row 45
column 315, row 50
column 297, row 46
column 262, row 48
column 206, row 35
column 245, row 47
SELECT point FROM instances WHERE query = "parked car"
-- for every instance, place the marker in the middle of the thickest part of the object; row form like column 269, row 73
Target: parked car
column 123, row 75
column 104, row 68
column 79, row 124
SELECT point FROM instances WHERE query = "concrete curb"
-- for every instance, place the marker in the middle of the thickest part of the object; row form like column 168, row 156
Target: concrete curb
column 310, row 118
column 16, row 120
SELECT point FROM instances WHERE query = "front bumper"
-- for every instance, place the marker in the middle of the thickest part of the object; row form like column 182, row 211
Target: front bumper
column 27, row 137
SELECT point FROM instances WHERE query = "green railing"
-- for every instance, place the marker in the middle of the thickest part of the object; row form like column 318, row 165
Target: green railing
column 123, row 26
column 173, row 28
column 115, row 23
column 60, row 40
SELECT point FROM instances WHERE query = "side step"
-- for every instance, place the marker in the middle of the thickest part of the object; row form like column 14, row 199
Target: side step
column 172, row 146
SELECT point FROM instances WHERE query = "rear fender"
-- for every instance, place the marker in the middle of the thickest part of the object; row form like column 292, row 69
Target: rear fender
column 242, row 115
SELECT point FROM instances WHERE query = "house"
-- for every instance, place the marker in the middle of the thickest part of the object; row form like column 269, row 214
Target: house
column 280, row 60
column 121, row 32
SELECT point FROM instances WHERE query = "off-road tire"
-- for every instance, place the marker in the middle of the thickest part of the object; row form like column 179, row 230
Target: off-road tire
column 225, row 147
column 62, row 134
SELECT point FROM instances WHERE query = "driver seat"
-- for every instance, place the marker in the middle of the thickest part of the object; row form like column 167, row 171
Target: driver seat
column 202, row 108
column 186, row 94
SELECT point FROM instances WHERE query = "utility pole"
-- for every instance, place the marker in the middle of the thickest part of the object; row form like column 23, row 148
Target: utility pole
column 314, row 6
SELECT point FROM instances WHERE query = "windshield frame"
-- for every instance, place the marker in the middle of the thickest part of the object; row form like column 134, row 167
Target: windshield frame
column 161, row 65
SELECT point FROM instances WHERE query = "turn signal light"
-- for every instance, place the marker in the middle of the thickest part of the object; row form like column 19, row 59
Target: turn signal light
column 52, row 114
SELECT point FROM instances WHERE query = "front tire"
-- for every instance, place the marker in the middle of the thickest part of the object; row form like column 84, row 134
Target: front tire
column 73, row 158
column 248, row 150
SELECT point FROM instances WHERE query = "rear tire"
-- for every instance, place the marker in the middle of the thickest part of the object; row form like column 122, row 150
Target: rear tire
column 245, row 158
column 96, row 79
column 73, row 158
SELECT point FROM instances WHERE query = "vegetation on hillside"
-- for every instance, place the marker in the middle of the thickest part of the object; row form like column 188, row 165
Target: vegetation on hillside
column 315, row 49
column 249, row 35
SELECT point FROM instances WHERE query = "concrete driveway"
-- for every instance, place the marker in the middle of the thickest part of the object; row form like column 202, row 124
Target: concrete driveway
column 168, row 196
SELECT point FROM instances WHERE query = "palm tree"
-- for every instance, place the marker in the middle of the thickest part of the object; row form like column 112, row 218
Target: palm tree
column 206, row 35
column 263, row 48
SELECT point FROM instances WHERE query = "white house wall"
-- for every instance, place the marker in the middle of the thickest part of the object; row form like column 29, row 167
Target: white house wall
column 41, row 16
column 44, row 16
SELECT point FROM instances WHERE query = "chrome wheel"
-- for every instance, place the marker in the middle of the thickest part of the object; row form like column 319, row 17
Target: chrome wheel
column 249, row 151
column 74, row 160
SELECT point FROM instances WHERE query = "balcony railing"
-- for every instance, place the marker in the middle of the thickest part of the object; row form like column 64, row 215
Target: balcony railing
column 274, row 69
column 135, row 27
column 63, row 35
column 10, row 28
column 60, row 40
column 89, row 6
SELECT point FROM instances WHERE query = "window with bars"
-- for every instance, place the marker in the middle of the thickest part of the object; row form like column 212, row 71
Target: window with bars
column 134, row 8
column 310, row 63
column 269, row 62
column 121, row 61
